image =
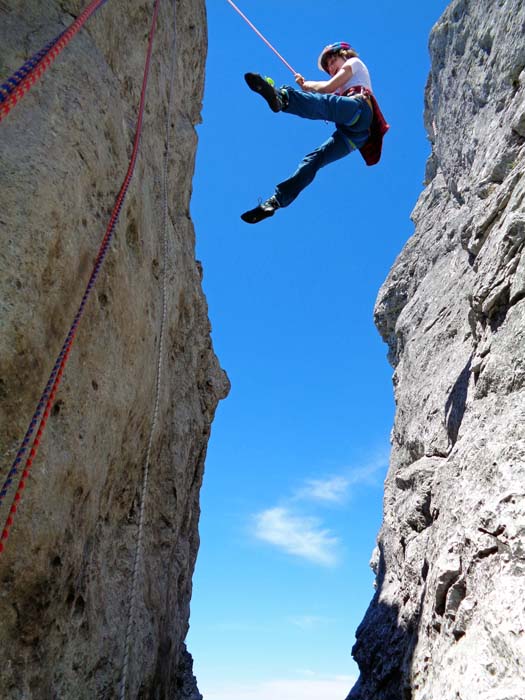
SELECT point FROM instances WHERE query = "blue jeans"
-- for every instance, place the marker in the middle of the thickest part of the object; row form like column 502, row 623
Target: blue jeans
column 352, row 117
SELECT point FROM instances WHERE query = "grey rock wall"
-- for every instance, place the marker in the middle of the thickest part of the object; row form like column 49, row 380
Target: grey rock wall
column 447, row 621
column 66, row 573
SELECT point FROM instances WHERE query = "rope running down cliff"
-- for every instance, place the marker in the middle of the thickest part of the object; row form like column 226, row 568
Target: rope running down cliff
column 15, row 87
column 160, row 356
column 11, row 91
column 48, row 396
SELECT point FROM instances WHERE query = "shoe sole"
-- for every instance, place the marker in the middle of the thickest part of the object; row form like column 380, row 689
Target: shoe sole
column 255, row 215
column 258, row 84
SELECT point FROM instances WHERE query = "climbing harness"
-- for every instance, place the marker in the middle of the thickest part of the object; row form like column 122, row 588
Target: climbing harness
column 158, row 383
column 48, row 396
column 25, row 77
column 261, row 36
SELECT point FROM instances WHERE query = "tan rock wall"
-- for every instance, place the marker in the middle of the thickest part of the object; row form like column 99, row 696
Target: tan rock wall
column 66, row 573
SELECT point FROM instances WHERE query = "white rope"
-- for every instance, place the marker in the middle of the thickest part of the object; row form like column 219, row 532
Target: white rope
column 138, row 549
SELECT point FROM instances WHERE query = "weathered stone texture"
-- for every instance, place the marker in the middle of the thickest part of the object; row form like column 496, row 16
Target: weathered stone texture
column 448, row 618
column 66, row 573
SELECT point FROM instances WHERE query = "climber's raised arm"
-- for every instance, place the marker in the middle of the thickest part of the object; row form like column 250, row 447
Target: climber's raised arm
column 340, row 76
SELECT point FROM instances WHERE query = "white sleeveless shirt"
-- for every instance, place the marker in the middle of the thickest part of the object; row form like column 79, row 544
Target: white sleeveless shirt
column 360, row 75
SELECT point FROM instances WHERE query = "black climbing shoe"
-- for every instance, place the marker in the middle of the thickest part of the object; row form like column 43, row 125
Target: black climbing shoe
column 264, row 86
column 263, row 211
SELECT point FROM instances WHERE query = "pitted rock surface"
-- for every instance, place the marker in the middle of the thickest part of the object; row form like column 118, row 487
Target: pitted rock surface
column 448, row 617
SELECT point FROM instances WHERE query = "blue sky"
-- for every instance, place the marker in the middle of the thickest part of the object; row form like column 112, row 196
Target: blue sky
column 292, row 497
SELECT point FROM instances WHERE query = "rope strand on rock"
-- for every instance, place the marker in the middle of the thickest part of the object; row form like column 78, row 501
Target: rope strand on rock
column 11, row 91
column 15, row 87
column 158, row 383
column 48, row 396
column 18, row 76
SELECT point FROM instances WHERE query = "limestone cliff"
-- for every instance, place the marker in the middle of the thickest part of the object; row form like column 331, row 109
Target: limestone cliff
column 66, row 573
column 448, row 618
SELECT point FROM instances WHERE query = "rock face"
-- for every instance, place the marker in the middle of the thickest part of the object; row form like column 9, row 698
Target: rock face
column 65, row 575
column 448, row 618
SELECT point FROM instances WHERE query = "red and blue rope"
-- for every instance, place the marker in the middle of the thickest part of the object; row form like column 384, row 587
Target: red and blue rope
column 14, row 81
column 10, row 93
column 22, row 80
column 48, row 396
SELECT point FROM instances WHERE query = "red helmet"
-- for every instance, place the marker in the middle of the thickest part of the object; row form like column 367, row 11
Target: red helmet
column 330, row 49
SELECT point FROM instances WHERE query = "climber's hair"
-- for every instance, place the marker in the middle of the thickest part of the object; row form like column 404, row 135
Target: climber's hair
column 347, row 53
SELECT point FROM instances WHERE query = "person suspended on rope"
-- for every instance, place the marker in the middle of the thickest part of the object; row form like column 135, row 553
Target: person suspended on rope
column 346, row 99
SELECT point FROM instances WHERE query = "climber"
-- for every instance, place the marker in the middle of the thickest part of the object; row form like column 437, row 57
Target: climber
column 345, row 99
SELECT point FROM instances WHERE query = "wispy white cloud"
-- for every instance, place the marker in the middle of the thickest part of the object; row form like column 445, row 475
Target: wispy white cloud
column 305, row 536
column 369, row 472
column 336, row 489
column 299, row 535
column 301, row 689
column 333, row 490
column 308, row 622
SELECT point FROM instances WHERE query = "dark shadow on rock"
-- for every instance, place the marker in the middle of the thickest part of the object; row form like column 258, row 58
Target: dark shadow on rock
column 456, row 402
column 384, row 650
